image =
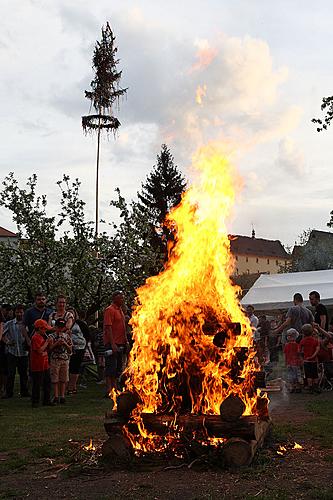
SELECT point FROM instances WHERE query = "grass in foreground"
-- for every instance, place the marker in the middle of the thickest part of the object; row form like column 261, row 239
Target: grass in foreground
column 29, row 434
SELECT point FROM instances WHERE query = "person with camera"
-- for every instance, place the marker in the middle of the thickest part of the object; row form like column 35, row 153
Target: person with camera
column 115, row 341
column 60, row 353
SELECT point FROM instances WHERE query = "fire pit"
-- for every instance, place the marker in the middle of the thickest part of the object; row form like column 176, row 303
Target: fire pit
column 191, row 371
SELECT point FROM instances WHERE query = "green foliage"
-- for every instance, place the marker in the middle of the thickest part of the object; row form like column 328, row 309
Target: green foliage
column 161, row 191
column 47, row 259
column 327, row 106
column 136, row 259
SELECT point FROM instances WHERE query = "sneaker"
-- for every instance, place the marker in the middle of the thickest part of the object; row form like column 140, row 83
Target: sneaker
column 62, row 401
column 83, row 386
column 100, row 382
column 55, row 401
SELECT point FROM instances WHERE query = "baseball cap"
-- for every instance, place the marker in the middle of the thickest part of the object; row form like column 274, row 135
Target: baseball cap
column 41, row 324
column 60, row 323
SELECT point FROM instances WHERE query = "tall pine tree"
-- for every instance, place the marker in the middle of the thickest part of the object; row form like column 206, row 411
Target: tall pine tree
column 161, row 191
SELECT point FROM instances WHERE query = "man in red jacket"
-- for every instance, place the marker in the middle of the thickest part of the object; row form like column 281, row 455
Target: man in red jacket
column 115, row 340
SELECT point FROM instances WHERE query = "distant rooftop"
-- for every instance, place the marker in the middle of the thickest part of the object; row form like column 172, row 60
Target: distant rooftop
column 4, row 233
column 320, row 234
column 245, row 245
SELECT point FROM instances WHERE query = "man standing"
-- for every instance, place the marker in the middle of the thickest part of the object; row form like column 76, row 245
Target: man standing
column 321, row 316
column 37, row 311
column 253, row 319
column 17, row 341
column 297, row 316
column 115, row 340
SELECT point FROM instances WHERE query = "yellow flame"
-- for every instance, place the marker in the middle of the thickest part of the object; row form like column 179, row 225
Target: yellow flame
column 297, row 446
column 90, row 446
column 200, row 93
column 113, row 393
column 174, row 363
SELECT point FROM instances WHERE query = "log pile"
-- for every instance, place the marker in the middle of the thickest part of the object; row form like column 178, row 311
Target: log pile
column 243, row 434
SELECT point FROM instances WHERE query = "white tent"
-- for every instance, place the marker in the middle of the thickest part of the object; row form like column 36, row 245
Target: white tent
column 276, row 291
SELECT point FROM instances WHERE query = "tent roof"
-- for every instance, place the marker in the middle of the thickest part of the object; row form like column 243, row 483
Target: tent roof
column 276, row 291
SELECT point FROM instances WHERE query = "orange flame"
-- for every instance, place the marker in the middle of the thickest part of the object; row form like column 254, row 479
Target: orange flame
column 90, row 446
column 200, row 93
column 174, row 365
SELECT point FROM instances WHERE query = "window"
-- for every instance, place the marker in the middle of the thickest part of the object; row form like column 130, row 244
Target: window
column 277, row 262
column 267, row 261
column 248, row 271
column 237, row 270
column 236, row 257
column 258, row 271
column 257, row 260
column 247, row 259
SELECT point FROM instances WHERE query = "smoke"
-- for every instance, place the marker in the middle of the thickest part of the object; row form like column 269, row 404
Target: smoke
column 290, row 158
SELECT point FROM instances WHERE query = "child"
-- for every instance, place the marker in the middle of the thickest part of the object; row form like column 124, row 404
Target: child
column 293, row 361
column 39, row 363
column 60, row 350
column 309, row 347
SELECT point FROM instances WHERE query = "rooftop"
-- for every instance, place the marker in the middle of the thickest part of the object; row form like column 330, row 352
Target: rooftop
column 4, row 233
column 245, row 245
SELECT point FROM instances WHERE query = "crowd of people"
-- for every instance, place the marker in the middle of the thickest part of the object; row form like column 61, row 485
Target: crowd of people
column 51, row 348
column 304, row 337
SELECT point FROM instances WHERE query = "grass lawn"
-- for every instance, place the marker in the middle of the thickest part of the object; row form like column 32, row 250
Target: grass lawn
column 31, row 433
column 318, row 427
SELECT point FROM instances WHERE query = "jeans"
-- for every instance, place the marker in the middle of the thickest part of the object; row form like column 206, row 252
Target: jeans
column 21, row 364
column 41, row 380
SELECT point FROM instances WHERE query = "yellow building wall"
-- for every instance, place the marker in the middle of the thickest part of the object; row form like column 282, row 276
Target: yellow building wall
column 250, row 264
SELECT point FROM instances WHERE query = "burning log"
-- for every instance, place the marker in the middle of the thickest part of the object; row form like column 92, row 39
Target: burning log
column 126, row 403
column 248, row 427
column 232, row 408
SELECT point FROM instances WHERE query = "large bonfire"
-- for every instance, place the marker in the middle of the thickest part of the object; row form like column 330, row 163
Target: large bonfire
column 175, row 367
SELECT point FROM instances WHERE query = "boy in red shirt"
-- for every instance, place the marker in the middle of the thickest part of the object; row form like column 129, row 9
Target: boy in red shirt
column 309, row 347
column 39, row 363
column 293, row 361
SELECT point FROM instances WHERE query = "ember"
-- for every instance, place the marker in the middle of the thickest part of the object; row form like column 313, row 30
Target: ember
column 193, row 352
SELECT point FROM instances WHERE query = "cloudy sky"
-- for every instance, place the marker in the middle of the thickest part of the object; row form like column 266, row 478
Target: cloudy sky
column 263, row 67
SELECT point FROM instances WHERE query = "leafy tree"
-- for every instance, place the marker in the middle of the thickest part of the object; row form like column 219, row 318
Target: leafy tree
column 327, row 106
column 105, row 91
column 50, row 260
column 161, row 191
column 136, row 259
